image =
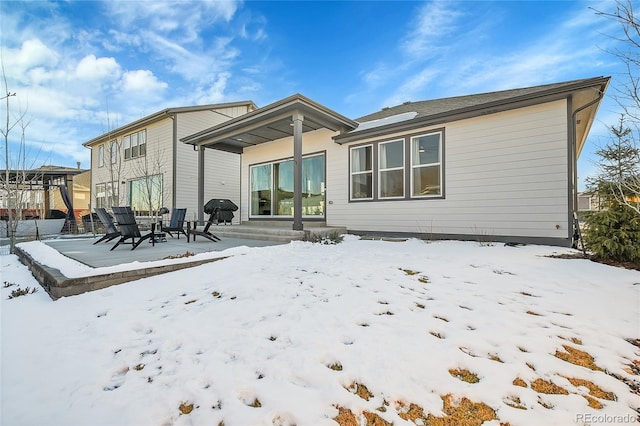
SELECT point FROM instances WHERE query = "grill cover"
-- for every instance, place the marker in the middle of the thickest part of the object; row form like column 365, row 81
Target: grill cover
column 218, row 204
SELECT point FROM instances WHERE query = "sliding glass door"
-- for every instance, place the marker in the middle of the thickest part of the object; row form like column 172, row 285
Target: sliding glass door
column 272, row 188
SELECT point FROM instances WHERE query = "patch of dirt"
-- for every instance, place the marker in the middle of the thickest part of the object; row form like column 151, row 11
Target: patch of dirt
column 577, row 357
column 625, row 265
column 597, row 259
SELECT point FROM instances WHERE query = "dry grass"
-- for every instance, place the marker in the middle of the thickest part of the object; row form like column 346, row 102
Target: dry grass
column 466, row 413
column 577, row 357
column 546, row 405
column 413, row 412
column 360, row 390
column 573, row 340
column 534, row 313
column 255, row 404
column 185, row 408
column 464, row 375
column 441, row 318
column 346, row 417
column 495, row 357
column 336, row 366
column 594, row 390
column 375, row 420
column 545, row 386
column 436, row 334
column 180, row 256
column 593, row 403
column 514, row 402
column 519, row 382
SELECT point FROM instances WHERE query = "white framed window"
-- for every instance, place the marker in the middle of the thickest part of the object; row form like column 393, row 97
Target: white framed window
column 271, row 186
column 391, row 169
column 146, row 194
column 107, row 194
column 101, row 156
column 114, row 151
column 135, row 145
column 426, row 165
column 362, row 172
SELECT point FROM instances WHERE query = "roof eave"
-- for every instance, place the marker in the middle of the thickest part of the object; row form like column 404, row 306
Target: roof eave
column 157, row 116
column 475, row 111
column 276, row 110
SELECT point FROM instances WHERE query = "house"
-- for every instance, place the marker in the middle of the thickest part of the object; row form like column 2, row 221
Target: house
column 36, row 193
column 498, row 166
column 142, row 164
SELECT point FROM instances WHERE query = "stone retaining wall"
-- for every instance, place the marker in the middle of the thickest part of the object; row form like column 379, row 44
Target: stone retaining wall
column 58, row 285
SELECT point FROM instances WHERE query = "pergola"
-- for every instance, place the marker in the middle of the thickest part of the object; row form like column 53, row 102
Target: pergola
column 289, row 117
column 42, row 179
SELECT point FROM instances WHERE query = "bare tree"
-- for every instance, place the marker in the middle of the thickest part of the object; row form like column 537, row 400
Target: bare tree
column 19, row 174
column 149, row 181
column 627, row 188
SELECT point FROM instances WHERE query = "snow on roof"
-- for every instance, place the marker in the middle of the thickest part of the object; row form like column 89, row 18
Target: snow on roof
column 405, row 116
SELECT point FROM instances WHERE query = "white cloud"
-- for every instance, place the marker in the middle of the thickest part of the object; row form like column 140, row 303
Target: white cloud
column 142, row 81
column 434, row 23
column 31, row 54
column 416, row 84
column 92, row 68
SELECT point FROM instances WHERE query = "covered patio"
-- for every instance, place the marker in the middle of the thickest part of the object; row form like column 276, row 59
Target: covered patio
column 288, row 118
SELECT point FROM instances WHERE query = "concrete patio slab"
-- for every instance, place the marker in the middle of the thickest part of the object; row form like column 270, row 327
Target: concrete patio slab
column 100, row 255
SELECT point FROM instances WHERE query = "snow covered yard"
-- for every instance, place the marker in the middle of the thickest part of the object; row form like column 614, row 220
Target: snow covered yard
column 311, row 334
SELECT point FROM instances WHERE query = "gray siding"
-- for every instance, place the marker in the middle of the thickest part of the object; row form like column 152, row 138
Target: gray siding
column 505, row 174
column 222, row 169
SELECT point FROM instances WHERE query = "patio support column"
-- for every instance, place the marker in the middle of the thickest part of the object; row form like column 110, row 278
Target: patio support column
column 201, row 183
column 47, row 200
column 297, row 171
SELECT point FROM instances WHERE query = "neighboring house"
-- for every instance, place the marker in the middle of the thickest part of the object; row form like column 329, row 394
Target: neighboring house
column 143, row 165
column 36, row 192
column 588, row 201
column 499, row 166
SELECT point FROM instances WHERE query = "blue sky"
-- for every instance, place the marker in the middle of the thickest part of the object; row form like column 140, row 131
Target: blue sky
column 79, row 67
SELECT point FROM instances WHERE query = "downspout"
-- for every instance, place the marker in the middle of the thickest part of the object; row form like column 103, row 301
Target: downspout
column 573, row 164
column 174, row 161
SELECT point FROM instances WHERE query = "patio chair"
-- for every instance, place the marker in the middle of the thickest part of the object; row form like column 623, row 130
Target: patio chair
column 111, row 230
column 176, row 223
column 129, row 228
